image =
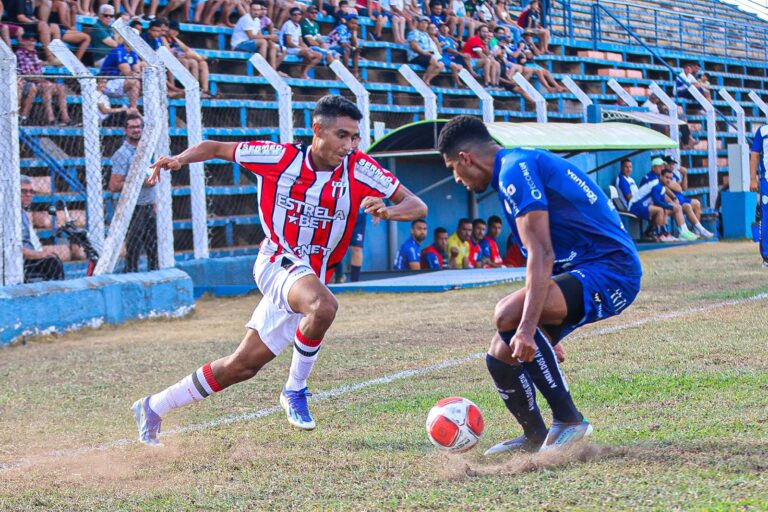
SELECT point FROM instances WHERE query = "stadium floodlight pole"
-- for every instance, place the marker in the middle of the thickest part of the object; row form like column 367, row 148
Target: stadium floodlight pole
column 741, row 132
column 165, row 257
column 193, row 108
column 486, row 100
column 153, row 78
column 284, row 96
column 538, row 99
column 363, row 101
column 709, row 110
column 674, row 128
column 579, row 93
column 760, row 103
column 10, row 183
column 430, row 98
column 622, row 93
column 91, row 141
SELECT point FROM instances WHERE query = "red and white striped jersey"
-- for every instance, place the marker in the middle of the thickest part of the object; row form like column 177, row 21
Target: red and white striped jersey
column 310, row 213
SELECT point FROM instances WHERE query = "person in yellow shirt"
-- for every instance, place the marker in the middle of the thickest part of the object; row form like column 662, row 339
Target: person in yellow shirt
column 458, row 245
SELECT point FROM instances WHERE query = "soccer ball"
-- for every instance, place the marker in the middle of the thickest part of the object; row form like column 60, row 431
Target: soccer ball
column 454, row 424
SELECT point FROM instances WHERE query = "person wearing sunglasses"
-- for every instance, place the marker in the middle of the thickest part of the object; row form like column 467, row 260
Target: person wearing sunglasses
column 102, row 38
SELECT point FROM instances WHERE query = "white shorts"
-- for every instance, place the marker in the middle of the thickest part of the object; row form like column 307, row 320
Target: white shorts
column 115, row 88
column 273, row 318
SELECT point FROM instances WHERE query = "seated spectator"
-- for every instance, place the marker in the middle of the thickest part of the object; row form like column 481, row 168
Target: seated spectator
column 688, row 77
column 705, row 83
column 102, row 38
column 420, row 51
column 435, row 256
column 193, row 61
column 476, row 259
column 396, row 19
column 253, row 33
column 545, row 77
column 458, row 245
column 501, row 10
column 513, row 257
column 343, row 41
column 182, row 6
column 275, row 56
column 409, row 255
column 29, row 63
column 438, row 14
column 653, row 214
column 399, row 11
column 22, row 13
column 488, row 244
column 476, row 47
column 40, row 262
column 372, row 9
column 123, row 64
column 213, row 6
column 530, row 22
column 463, row 20
column 484, row 14
column 691, row 207
column 109, row 115
column 291, row 41
column 452, row 58
column 7, row 30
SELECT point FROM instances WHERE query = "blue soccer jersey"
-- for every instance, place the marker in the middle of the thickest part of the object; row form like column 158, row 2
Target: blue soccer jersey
column 651, row 191
column 584, row 225
column 410, row 252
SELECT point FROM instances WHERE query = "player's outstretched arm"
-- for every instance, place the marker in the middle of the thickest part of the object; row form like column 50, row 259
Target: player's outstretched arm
column 407, row 206
column 206, row 150
column 534, row 233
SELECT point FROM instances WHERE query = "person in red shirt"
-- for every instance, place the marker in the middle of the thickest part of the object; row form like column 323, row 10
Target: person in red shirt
column 530, row 21
column 308, row 198
column 477, row 48
column 488, row 244
column 435, row 257
column 476, row 256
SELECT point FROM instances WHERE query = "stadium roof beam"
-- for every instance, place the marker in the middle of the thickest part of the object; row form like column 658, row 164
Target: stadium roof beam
column 709, row 110
column 284, row 96
column 741, row 133
column 486, row 100
column 538, row 99
column 579, row 93
column 674, row 129
column 430, row 98
column 363, row 101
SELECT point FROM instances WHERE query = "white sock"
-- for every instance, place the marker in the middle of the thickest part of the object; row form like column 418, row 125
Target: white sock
column 684, row 228
column 305, row 353
column 192, row 388
column 699, row 227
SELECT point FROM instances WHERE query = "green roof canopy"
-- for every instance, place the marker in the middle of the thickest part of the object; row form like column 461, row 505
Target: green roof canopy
column 420, row 138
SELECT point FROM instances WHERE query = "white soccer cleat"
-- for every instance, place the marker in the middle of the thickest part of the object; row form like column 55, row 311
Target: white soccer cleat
column 296, row 409
column 564, row 435
column 147, row 421
column 520, row 444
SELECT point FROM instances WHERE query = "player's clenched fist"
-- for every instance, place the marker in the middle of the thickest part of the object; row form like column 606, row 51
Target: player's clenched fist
column 375, row 206
column 523, row 347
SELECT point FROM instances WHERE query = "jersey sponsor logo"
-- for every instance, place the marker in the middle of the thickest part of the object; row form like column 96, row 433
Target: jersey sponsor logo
column 618, row 300
column 307, row 215
column 544, row 367
column 591, row 196
column 270, row 152
column 305, row 250
column 535, row 192
column 374, row 172
column 511, row 190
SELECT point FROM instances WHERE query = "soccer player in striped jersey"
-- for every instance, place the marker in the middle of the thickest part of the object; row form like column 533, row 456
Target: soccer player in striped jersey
column 309, row 199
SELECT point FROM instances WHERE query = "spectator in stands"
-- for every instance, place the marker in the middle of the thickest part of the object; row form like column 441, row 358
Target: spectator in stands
column 193, row 61
column 123, row 64
column 372, row 9
column 488, row 244
column 409, row 255
column 63, row 13
column 705, row 83
column 22, row 13
column 439, row 15
column 476, row 47
column 404, row 19
column 102, row 39
column 484, row 13
column 688, row 77
column 290, row 36
column 442, row 43
column 397, row 21
column 653, row 214
column 109, row 115
column 29, row 63
column 142, row 231
column 463, row 20
column 415, row 10
column 183, row 6
column 273, row 40
column 458, row 245
column 154, row 37
column 545, row 77
column 691, row 207
column 476, row 259
column 505, row 20
column 530, row 22
column 435, row 256
column 420, row 51
column 7, row 30
column 40, row 261
column 248, row 34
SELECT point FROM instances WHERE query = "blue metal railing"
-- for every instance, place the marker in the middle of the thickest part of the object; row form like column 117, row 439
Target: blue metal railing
column 55, row 167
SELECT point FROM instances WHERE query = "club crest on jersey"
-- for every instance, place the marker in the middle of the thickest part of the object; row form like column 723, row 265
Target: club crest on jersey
column 338, row 189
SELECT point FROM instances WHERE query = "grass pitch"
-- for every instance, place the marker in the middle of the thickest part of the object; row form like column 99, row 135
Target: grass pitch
column 676, row 389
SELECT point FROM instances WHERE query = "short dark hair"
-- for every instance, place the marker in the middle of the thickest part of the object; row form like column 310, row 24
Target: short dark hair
column 155, row 23
column 477, row 222
column 666, row 170
column 439, row 231
column 460, row 133
column 418, row 221
column 133, row 117
column 494, row 219
column 625, row 161
column 259, row 2
column 464, row 220
column 334, row 106
column 161, row 20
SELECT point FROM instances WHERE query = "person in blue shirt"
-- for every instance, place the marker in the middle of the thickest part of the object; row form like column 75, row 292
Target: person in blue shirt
column 758, row 182
column 582, row 267
column 123, row 64
column 652, row 184
column 628, row 192
column 691, row 206
column 409, row 255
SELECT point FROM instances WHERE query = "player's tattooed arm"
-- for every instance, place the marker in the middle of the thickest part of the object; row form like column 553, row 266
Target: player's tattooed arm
column 534, row 233
column 206, row 150
column 407, row 206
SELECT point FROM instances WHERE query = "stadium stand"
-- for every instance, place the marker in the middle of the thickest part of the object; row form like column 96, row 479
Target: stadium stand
column 592, row 43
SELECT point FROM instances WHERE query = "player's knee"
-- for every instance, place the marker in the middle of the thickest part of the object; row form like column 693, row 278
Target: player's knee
column 502, row 319
column 323, row 309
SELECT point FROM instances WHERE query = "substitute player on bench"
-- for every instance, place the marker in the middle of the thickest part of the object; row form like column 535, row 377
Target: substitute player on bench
column 582, row 267
column 308, row 204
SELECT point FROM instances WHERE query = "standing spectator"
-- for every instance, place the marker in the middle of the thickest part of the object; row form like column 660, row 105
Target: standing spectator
column 290, row 36
column 435, row 256
column 409, row 255
column 102, row 38
column 142, row 231
column 193, row 61
column 310, row 33
column 458, row 245
column 420, row 51
column 29, row 63
column 40, row 262
column 123, row 64
column 476, row 259
column 488, row 244
column 530, row 22
column 343, row 41
column 476, row 47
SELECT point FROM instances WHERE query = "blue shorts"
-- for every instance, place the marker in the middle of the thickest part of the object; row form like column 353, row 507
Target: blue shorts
column 641, row 210
column 358, row 233
column 608, row 289
column 682, row 199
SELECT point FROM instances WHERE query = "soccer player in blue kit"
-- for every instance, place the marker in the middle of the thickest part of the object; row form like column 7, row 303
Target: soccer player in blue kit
column 582, row 267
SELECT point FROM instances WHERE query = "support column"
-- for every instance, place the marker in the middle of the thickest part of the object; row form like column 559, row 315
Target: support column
column 709, row 109
column 541, row 103
column 430, row 98
column 363, row 101
column 579, row 93
column 486, row 101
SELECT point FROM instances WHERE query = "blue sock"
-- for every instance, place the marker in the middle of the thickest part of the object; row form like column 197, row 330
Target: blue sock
column 354, row 273
column 519, row 396
column 545, row 373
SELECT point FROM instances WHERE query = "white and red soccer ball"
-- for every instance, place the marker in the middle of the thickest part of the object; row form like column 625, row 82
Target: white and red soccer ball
column 454, row 424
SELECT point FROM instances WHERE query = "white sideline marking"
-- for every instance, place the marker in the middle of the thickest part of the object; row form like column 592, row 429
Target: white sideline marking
column 351, row 388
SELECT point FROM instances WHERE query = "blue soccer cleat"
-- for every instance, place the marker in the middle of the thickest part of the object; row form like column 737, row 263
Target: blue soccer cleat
column 147, row 421
column 564, row 435
column 520, row 444
column 296, row 408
